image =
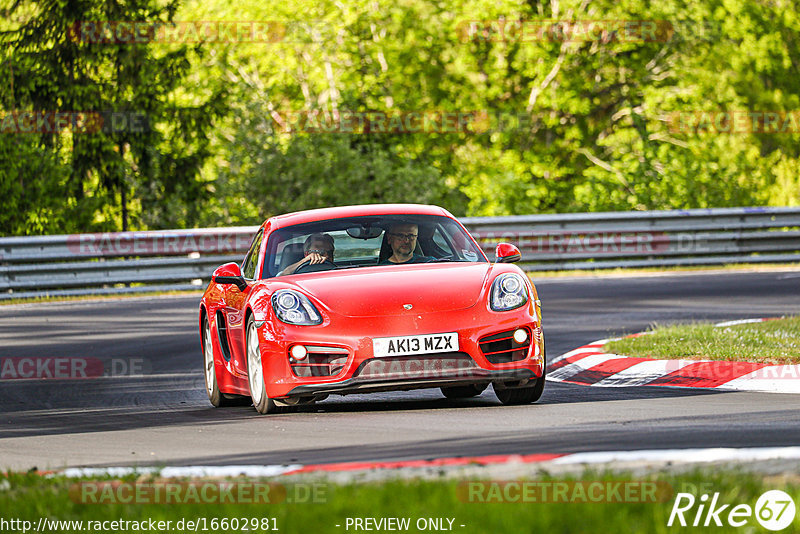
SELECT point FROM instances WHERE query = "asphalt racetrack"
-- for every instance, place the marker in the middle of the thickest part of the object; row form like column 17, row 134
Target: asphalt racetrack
column 154, row 410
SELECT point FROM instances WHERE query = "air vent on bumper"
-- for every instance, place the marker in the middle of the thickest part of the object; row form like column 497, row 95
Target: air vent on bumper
column 503, row 348
column 319, row 361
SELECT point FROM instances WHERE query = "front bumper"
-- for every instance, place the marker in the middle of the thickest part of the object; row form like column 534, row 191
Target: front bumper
column 375, row 385
column 360, row 372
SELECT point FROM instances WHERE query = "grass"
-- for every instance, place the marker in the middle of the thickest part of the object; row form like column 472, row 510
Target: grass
column 29, row 497
column 772, row 342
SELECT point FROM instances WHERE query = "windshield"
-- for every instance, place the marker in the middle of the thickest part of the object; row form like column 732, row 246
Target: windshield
column 355, row 242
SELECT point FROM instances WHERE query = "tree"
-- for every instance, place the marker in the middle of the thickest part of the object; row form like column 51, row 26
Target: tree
column 137, row 162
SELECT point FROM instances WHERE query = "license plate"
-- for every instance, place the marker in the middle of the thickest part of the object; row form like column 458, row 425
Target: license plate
column 424, row 344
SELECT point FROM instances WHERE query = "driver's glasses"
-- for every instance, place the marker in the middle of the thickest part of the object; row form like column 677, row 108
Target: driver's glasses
column 403, row 237
column 322, row 252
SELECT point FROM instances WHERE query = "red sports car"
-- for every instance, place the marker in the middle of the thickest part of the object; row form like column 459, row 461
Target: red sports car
column 369, row 298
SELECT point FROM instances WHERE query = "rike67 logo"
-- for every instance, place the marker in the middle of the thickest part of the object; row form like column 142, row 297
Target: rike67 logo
column 774, row 510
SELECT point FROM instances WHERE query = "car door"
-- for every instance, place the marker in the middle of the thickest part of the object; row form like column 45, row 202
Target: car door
column 236, row 301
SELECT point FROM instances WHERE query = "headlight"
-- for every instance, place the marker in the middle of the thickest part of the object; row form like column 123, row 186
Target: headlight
column 508, row 292
column 294, row 308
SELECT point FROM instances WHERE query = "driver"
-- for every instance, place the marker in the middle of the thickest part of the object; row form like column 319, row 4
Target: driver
column 402, row 239
column 317, row 248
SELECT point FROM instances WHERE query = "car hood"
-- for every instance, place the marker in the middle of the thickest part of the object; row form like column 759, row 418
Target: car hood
column 385, row 290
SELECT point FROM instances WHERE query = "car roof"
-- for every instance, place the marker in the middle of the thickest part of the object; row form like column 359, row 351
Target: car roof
column 321, row 214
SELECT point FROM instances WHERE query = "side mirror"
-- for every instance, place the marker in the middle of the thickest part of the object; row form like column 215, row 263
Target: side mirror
column 507, row 253
column 230, row 273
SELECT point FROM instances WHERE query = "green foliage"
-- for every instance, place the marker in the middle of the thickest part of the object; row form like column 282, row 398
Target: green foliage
column 144, row 160
column 600, row 139
column 29, row 174
column 273, row 175
column 579, row 124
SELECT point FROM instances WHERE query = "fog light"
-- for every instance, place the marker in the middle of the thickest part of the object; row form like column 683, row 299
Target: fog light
column 520, row 335
column 299, row 352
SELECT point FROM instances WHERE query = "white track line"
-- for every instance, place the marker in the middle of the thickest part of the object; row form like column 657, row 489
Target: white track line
column 643, row 373
column 697, row 455
column 591, row 347
column 682, row 455
column 739, row 321
column 773, row 378
column 577, row 366
column 187, row 471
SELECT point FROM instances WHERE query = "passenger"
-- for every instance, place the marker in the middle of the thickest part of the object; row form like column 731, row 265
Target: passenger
column 318, row 248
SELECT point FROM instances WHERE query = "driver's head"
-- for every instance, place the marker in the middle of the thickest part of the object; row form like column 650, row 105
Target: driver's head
column 321, row 243
column 402, row 237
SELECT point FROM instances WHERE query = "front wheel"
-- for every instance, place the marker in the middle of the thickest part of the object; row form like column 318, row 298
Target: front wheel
column 255, row 372
column 521, row 395
column 524, row 395
column 216, row 397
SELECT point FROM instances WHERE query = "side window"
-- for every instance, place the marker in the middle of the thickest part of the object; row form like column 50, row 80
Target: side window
column 451, row 240
column 251, row 258
column 441, row 241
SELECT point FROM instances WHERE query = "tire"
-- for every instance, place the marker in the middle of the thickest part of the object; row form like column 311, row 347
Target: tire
column 523, row 395
column 463, row 392
column 217, row 398
column 255, row 372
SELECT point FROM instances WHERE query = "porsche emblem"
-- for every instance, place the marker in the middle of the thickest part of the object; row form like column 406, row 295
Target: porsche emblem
column 407, row 306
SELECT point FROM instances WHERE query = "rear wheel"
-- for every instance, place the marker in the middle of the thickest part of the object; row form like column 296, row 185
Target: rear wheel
column 255, row 372
column 463, row 392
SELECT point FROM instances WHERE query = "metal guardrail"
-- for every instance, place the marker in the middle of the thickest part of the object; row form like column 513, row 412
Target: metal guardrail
column 130, row 262
column 122, row 262
column 647, row 238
